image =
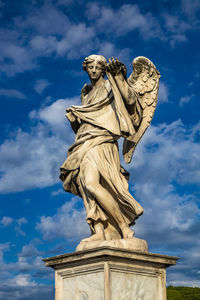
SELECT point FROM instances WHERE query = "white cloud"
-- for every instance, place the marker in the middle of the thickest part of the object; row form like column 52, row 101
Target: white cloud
column 29, row 251
column 12, row 93
column 167, row 159
column 78, row 41
column 6, row 221
column 45, row 30
column 22, row 287
column 51, row 32
column 45, row 19
column 129, row 18
column 54, row 115
column 32, row 159
column 191, row 9
column 69, row 222
column 41, row 85
column 163, row 93
column 3, row 248
column 109, row 49
column 15, row 57
column 23, row 280
column 57, row 192
column 177, row 28
column 124, row 20
column 43, row 46
column 21, row 221
column 185, row 99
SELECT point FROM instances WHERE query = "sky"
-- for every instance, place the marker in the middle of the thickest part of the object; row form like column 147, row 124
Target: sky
column 43, row 44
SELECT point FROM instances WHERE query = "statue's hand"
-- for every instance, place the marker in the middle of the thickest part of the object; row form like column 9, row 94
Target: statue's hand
column 70, row 116
column 116, row 68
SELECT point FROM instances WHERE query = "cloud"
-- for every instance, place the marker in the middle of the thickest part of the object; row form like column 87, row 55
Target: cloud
column 22, row 287
column 18, row 228
column 177, row 28
column 45, row 19
column 122, row 21
column 70, row 215
column 47, row 30
column 24, row 278
column 22, row 221
column 191, row 9
column 12, row 93
column 6, row 221
column 57, row 192
column 165, row 161
column 41, row 85
column 15, row 56
column 185, row 99
column 109, row 49
column 163, row 93
column 43, row 31
column 32, row 159
column 54, row 115
column 30, row 251
column 78, row 41
column 129, row 18
column 3, row 248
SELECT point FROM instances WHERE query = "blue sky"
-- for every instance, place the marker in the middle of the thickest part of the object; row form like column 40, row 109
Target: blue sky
column 43, row 44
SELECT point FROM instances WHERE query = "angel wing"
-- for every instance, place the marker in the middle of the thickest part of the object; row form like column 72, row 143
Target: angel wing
column 144, row 80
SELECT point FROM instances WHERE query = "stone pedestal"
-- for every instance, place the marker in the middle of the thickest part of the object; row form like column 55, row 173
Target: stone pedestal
column 108, row 273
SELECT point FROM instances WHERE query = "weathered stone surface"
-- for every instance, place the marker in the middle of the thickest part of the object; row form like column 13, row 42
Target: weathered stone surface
column 128, row 244
column 111, row 108
column 110, row 274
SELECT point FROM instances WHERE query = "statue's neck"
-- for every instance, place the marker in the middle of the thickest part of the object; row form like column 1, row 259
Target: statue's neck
column 97, row 83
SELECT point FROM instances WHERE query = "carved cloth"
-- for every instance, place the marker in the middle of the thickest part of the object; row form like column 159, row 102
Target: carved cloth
column 103, row 120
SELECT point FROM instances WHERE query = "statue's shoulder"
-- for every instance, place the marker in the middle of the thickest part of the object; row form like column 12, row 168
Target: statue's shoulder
column 86, row 89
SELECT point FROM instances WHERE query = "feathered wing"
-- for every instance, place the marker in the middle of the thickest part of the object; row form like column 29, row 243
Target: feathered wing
column 144, row 80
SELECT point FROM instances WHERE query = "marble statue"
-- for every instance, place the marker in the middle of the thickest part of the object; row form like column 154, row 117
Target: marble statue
column 111, row 108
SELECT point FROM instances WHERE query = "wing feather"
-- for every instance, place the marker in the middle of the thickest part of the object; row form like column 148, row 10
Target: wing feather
column 144, row 80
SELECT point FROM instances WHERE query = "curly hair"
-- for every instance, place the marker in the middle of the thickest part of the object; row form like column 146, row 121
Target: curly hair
column 99, row 58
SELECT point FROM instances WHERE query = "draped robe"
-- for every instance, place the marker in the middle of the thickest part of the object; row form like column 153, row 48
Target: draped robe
column 103, row 119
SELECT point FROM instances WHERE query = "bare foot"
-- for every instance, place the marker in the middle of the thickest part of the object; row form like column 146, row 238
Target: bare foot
column 95, row 237
column 127, row 233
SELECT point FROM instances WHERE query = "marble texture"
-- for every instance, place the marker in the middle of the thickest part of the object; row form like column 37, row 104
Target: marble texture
column 110, row 274
column 128, row 244
column 111, row 108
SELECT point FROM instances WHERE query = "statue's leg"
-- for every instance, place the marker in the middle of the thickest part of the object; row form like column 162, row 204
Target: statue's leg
column 104, row 198
column 99, row 233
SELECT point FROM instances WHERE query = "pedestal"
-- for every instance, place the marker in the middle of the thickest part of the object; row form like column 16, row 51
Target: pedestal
column 110, row 274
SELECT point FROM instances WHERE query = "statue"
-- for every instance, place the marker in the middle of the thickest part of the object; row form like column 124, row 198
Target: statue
column 112, row 108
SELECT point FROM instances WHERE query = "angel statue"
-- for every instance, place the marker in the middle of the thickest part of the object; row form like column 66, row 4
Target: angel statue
column 111, row 108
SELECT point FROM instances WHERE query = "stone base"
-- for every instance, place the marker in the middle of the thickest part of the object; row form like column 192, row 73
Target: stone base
column 110, row 274
column 133, row 244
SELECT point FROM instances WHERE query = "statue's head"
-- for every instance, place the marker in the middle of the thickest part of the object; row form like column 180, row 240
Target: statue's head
column 95, row 66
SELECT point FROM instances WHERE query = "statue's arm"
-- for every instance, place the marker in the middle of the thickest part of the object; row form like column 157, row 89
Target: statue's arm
column 117, row 69
column 74, row 121
column 127, row 93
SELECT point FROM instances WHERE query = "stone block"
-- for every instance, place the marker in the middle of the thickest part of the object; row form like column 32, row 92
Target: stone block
column 108, row 273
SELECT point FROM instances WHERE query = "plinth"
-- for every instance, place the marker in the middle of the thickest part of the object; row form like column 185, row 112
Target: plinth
column 108, row 273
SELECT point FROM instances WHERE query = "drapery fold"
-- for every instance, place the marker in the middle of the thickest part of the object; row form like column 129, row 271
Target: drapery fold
column 103, row 120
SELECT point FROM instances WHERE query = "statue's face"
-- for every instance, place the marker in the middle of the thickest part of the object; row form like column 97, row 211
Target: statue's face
column 94, row 70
